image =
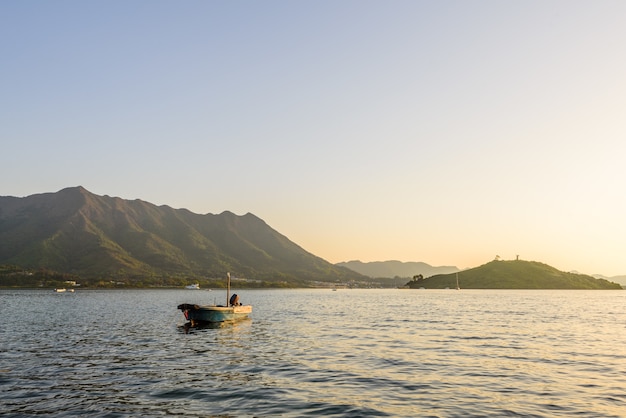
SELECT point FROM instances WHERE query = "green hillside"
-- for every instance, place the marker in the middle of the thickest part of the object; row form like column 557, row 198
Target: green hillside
column 99, row 237
column 514, row 274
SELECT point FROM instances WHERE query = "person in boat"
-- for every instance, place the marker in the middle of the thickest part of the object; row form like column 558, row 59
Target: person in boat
column 234, row 300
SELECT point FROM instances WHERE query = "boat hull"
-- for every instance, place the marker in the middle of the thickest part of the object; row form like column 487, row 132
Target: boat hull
column 211, row 314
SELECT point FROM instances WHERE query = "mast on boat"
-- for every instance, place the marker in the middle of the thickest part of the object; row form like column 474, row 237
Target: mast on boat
column 228, row 290
column 457, row 281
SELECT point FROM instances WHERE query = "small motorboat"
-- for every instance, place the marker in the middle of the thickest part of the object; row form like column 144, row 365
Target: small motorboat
column 208, row 314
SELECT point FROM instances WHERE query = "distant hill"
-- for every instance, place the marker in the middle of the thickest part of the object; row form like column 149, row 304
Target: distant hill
column 514, row 274
column 617, row 279
column 393, row 268
column 76, row 232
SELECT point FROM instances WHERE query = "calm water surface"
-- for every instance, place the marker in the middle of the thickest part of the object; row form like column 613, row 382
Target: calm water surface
column 361, row 353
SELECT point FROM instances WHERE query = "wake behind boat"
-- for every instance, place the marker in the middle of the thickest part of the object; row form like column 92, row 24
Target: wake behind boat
column 207, row 314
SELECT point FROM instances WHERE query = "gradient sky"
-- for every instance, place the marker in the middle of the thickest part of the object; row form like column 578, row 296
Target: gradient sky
column 446, row 132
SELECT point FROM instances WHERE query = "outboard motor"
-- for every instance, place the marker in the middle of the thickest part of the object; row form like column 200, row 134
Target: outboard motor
column 234, row 300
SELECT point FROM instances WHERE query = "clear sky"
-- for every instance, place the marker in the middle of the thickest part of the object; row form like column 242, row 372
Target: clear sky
column 446, row 132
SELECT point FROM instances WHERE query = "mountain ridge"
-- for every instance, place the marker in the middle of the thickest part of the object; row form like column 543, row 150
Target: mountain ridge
column 621, row 279
column 395, row 268
column 78, row 232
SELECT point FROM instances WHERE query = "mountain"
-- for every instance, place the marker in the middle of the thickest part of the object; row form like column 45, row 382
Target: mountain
column 75, row 231
column 514, row 274
column 393, row 268
column 617, row 279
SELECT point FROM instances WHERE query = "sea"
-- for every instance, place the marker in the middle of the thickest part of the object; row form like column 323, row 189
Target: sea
column 315, row 353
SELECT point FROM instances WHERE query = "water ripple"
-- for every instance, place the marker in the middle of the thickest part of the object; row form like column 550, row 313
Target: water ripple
column 316, row 353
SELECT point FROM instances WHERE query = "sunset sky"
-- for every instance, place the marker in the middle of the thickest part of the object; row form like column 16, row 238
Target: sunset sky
column 446, row 132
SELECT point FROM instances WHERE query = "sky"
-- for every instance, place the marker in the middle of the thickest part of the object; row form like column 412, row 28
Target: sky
column 447, row 132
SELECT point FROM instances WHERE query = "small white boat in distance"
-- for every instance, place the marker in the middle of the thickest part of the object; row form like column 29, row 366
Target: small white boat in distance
column 195, row 286
column 60, row 290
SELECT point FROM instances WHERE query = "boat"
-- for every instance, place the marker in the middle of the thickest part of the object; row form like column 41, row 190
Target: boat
column 195, row 286
column 457, row 281
column 210, row 314
column 60, row 290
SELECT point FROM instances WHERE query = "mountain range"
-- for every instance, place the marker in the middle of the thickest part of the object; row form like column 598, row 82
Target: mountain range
column 75, row 231
column 398, row 269
column 394, row 268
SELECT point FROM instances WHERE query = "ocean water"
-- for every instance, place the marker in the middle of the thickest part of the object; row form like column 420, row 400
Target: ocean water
column 345, row 353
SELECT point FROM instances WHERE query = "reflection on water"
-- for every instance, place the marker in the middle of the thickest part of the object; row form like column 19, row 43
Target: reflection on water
column 187, row 327
column 317, row 353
